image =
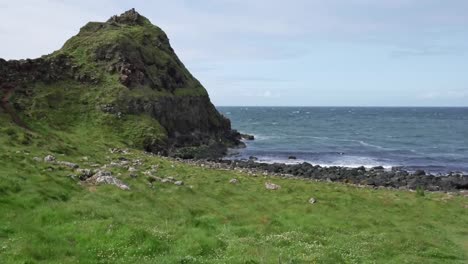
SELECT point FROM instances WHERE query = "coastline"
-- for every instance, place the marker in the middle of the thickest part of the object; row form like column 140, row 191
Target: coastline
column 377, row 177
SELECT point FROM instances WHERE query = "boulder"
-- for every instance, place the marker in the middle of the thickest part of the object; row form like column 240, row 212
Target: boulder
column 68, row 164
column 50, row 158
column 247, row 137
column 84, row 174
column 105, row 177
column 419, row 173
column 272, row 186
column 179, row 183
column 253, row 158
column 152, row 179
column 234, row 181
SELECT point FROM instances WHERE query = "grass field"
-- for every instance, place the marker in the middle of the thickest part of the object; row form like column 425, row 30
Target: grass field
column 47, row 217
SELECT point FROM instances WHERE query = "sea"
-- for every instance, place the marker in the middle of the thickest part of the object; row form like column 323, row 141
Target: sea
column 433, row 139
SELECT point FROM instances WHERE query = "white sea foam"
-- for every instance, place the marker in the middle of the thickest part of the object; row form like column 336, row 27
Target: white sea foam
column 348, row 162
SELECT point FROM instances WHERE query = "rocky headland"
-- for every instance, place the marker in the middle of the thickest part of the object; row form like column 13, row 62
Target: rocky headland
column 121, row 75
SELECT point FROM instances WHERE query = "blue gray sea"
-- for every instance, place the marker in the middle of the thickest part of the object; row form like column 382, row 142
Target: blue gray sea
column 432, row 139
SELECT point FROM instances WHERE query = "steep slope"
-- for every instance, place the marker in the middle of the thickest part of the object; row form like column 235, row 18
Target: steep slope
column 121, row 77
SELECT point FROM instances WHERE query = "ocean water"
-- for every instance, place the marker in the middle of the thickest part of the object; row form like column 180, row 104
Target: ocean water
column 433, row 139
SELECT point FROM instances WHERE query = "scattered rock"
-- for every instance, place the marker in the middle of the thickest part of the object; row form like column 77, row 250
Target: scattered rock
column 105, row 177
column 49, row 158
column 272, row 186
column 119, row 151
column 247, row 137
column 312, row 200
column 120, row 163
column 234, row 181
column 152, row 179
column 132, row 169
column 68, row 164
column 84, row 174
column 137, row 162
column 179, row 183
column 419, row 173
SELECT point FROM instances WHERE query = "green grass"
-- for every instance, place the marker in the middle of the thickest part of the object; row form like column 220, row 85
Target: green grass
column 46, row 217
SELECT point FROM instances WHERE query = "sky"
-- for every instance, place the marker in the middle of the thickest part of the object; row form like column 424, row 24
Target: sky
column 282, row 53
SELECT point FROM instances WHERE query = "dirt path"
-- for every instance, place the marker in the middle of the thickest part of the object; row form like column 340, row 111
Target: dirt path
column 5, row 104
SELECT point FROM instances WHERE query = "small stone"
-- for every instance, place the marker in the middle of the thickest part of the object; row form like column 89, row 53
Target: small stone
column 133, row 175
column 312, row 200
column 105, row 177
column 152, row 179
column 272, row 186
column 234, row 181
column 49, row 158
column 132, row 169
column 84, row 173
column 68, row 164
column 179, row 183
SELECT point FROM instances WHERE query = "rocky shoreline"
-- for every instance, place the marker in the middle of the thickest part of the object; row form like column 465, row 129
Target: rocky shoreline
column 376, row 177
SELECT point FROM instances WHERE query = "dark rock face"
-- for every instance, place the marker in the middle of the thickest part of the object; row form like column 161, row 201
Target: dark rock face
column 157, row 82
column 18, row 72
column 189, row 121
column 130, row 17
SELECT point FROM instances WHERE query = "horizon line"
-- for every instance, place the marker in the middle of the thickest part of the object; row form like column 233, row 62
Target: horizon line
column 363, row 106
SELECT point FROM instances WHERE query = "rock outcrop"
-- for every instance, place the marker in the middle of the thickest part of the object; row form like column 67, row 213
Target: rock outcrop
column 133, row 62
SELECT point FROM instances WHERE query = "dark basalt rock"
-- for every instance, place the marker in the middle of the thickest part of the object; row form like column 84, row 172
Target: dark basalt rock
column 419, row 173
column 247, row 137
column 378, row 178
column 130, row 17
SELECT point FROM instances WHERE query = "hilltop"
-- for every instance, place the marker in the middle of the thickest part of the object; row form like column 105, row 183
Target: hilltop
column 121, row 77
